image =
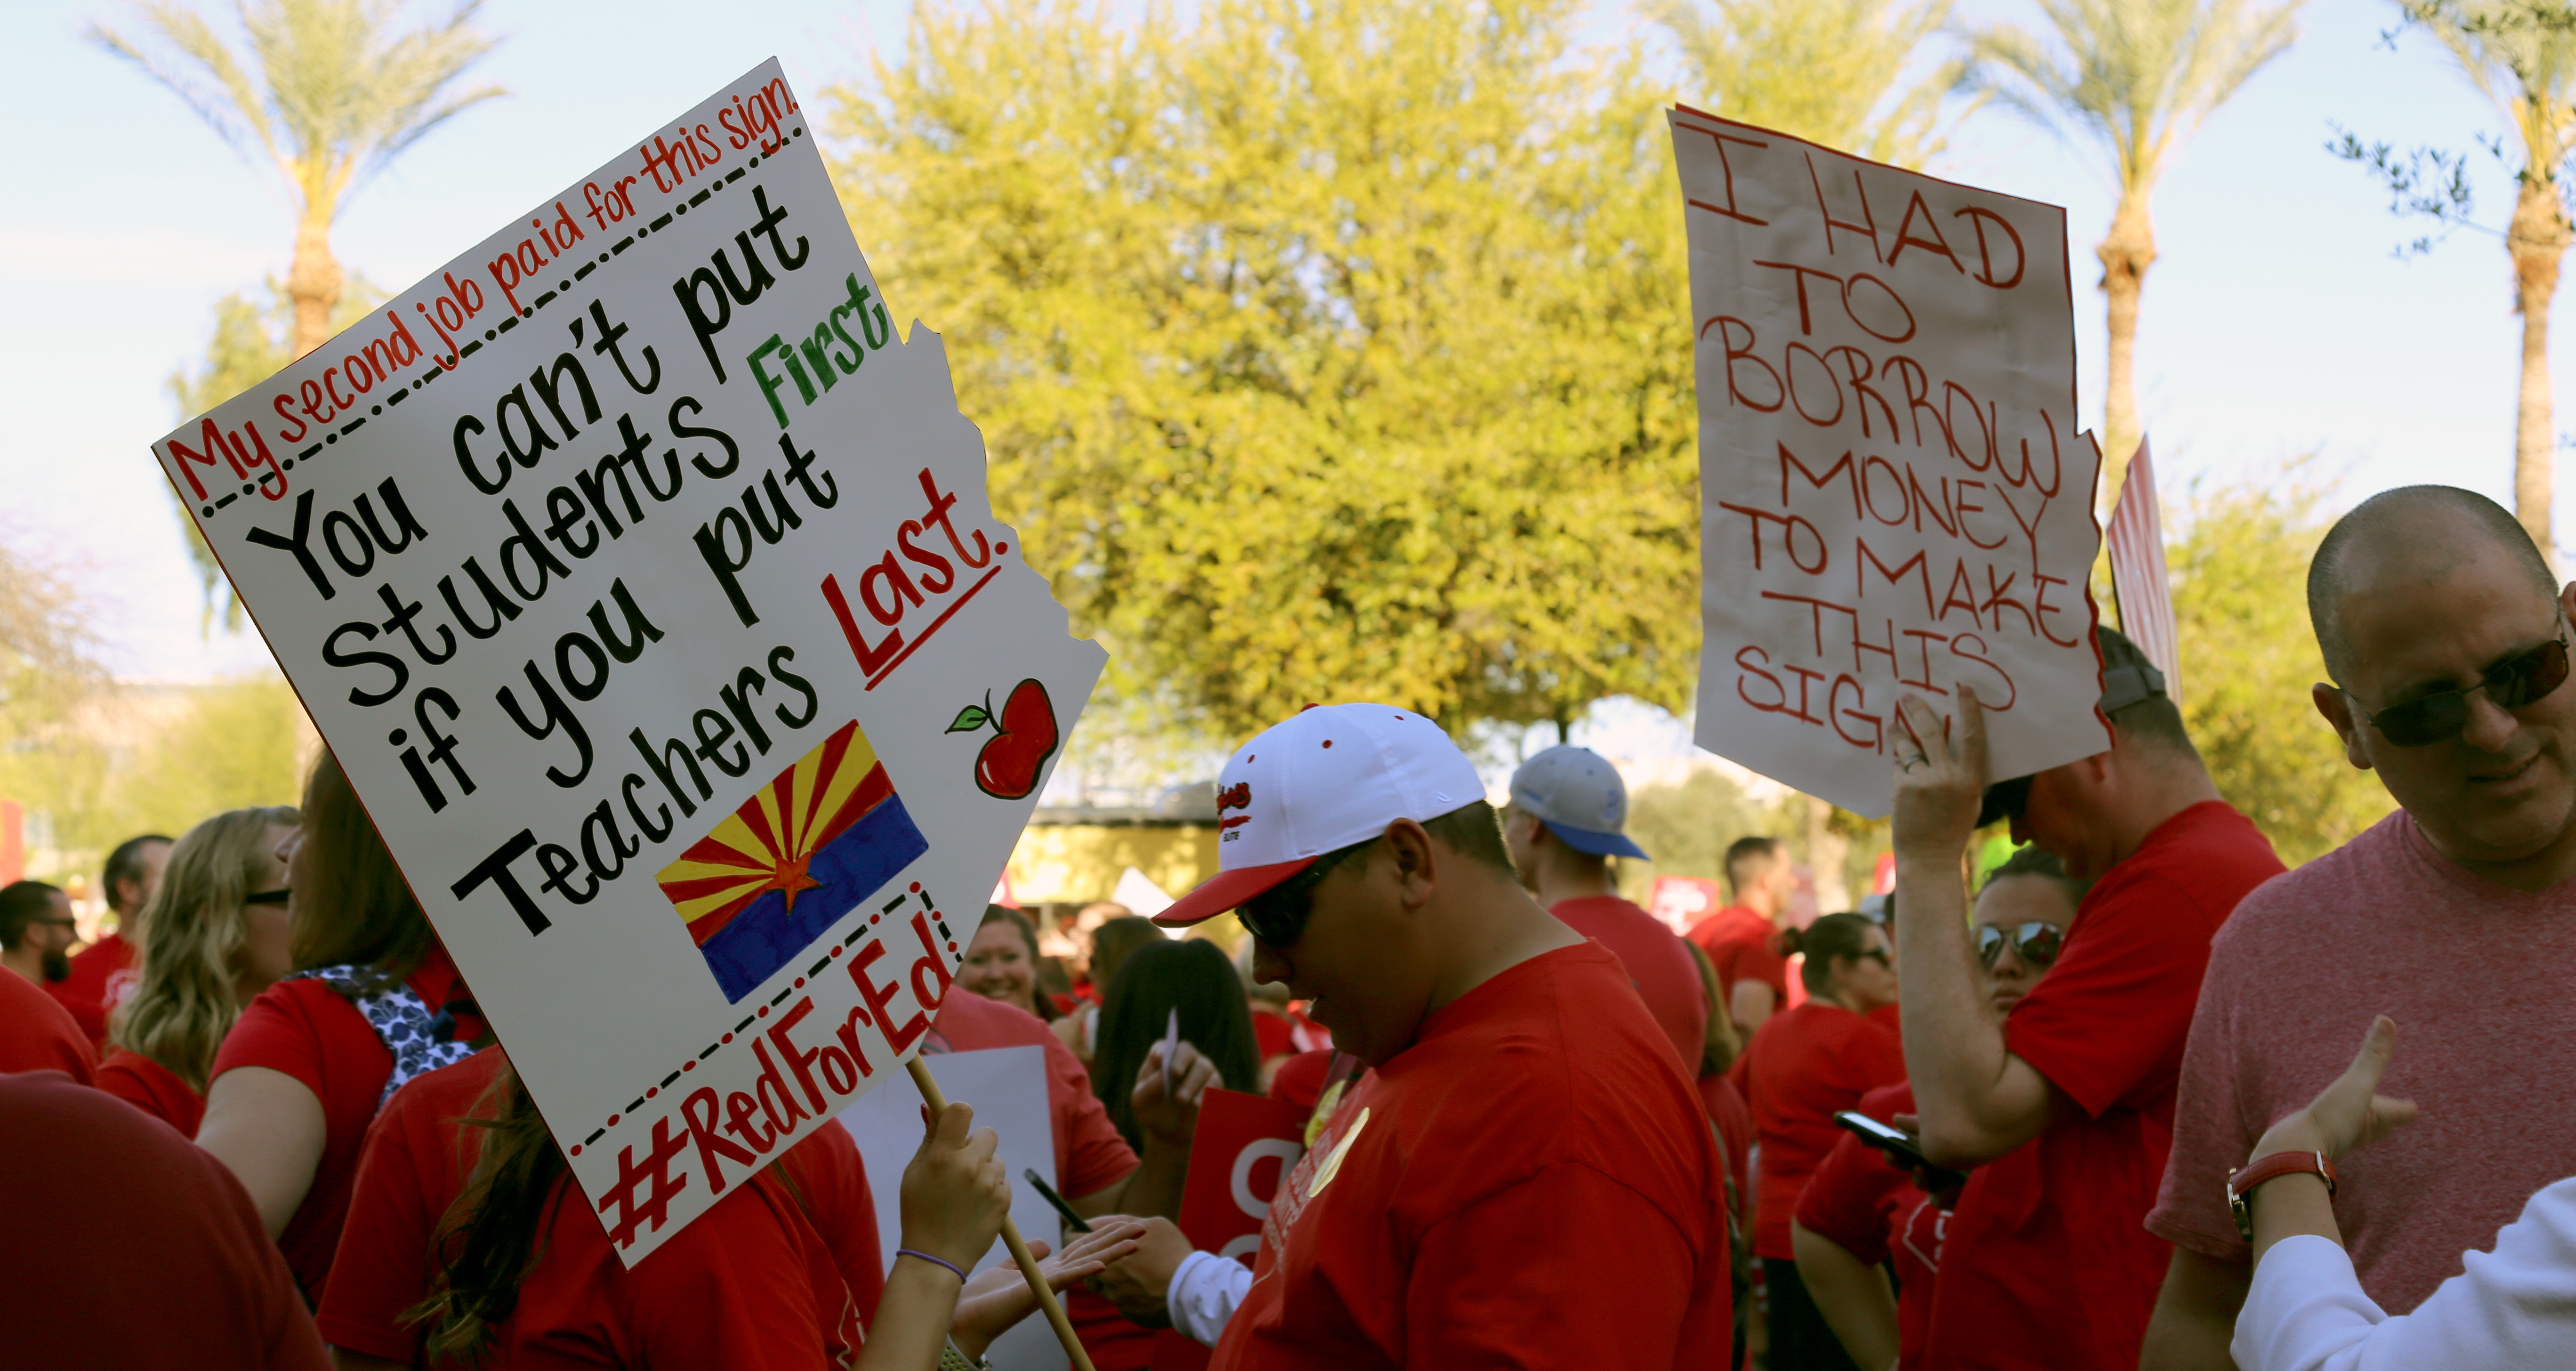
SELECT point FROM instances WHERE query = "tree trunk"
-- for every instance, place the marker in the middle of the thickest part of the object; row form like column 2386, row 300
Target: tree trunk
column 2538, row 240
column 1827, row 853
column 2126, row 252
column 313, row 282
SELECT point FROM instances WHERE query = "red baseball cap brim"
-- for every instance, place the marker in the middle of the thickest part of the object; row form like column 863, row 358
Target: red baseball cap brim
column 1227, row 891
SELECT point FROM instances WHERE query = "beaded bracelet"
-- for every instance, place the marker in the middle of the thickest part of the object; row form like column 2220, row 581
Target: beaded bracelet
column 936, row 1261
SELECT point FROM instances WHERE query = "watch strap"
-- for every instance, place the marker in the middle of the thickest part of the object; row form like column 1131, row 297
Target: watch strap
column 2240, row 1187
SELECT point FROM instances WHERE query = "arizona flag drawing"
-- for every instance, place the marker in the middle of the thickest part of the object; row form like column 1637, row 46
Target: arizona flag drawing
column 804, row 850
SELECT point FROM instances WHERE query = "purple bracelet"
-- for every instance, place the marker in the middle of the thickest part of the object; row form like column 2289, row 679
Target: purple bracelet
column 902, row 1252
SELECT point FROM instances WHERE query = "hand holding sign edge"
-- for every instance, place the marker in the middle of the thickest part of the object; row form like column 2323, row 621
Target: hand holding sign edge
column 1939, row 788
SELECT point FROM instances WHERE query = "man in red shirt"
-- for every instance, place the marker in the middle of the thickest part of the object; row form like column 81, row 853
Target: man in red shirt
column 2445, row 638
column 1741, row 940
column 103, row 973
column 128, row 1196
column 37, row 1034
column 1526, row 1178
column 1563, row 827
column 35, row 932
column 2066, row 1108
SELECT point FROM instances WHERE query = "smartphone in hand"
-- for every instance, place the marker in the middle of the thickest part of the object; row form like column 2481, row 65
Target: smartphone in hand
column 1900, row 1148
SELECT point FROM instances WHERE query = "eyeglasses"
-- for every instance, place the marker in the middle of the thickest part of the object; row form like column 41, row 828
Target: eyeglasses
column 2517, row 681
column 1878, row 955
column 1277, row 916
column 279, row 896
column 2036, row 942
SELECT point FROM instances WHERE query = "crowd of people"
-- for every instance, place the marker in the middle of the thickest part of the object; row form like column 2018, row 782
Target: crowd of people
column 2098, row 1109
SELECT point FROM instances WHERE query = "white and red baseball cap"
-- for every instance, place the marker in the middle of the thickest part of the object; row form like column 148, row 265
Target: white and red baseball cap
column 1329, row 777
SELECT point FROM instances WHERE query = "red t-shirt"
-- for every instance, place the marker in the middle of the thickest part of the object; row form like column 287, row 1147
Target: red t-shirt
column 1802, row 1067
column 2048, row 1262
column 37, row 1033
column 1663, row 971
column 102, row 976
column 416, row 1163
column 1272, row 1034
column 151, row 1256
column 2474, row 974
column 1531, row 1183
column 153, row 1088
column 1744, row 947
column 748, row 1284
column 1733, row 1119
column 315, row 1035
column 1300, row 1080
column 1089, row 1154
column 1860, row 1201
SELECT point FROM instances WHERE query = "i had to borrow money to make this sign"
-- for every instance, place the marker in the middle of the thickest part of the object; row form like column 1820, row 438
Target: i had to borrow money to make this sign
column 1894, row 495
column 640, row 575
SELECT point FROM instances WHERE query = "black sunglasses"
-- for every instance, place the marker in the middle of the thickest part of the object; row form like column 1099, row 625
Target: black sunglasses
column 1277, row 916
column 2517, row 681
column 1878, row 955
column 278, row 896
column 2036, row 942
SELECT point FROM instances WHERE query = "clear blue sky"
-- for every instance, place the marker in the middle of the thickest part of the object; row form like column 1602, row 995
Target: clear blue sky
column 2277, row 322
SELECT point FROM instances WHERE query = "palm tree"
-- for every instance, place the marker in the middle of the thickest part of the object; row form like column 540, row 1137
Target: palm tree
column 1849, row 74
column 2138, row 78
column 2521, row 55
column 339, row 93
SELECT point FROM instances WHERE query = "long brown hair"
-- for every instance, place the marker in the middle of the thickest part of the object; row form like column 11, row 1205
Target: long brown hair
column 190, row 942
column 494, row 1231
column 352, row 905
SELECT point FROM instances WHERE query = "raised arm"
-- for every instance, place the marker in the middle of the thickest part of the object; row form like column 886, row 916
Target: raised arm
column 1977, row 1101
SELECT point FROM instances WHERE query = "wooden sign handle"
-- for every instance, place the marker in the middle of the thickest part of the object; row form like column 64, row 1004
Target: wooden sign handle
column 1027, row 1260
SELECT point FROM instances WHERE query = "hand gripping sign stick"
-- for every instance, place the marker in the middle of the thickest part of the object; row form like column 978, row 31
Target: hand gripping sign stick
column 1028, row 1262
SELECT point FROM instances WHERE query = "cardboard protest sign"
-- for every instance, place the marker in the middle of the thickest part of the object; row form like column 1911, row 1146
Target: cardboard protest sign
column 1894, row 496
column 643, row 580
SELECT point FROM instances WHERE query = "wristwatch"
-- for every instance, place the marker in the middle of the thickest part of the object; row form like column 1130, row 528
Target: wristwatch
column 2240, row 1187
column 950, row 1359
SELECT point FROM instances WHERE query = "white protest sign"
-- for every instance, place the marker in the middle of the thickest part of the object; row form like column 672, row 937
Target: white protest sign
column 1894, row 495
column 643, row 580
column 1008, row 1087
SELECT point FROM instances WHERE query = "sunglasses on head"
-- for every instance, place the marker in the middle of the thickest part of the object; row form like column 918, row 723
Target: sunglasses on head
column 2036, row 942
column 2516, row 681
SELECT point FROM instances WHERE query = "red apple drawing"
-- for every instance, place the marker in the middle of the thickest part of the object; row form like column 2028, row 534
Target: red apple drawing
column 1024, row 737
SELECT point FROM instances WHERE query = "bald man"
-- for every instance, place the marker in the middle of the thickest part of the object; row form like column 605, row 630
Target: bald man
column 2447, row 639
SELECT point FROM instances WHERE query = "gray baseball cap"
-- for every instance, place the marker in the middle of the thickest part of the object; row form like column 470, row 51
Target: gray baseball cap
column 1579, row 796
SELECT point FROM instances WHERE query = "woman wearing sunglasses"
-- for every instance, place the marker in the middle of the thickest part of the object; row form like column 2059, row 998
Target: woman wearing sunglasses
column 1860, row 1211
column 213, row 937
column 1801, row 1069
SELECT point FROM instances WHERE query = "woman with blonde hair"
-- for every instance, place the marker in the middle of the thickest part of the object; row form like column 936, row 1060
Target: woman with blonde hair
column 373, row 1002
column 213, row 936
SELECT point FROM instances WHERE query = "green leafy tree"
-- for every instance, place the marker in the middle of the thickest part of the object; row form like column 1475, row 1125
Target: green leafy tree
column 1866, row 76
column 49, row 669
column 2136, row 79
column 2237, row 556
column 231, row 744
column 249, row 345
column 2520, row 55
column 329, row 92
column 1322, row 350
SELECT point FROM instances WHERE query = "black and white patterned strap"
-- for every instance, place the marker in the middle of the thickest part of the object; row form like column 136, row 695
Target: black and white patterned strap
column 398, row 1016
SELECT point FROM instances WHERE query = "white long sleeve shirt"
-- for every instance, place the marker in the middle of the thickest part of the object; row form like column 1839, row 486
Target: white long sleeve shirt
column 2509, row 1309
column 1205, row 1289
